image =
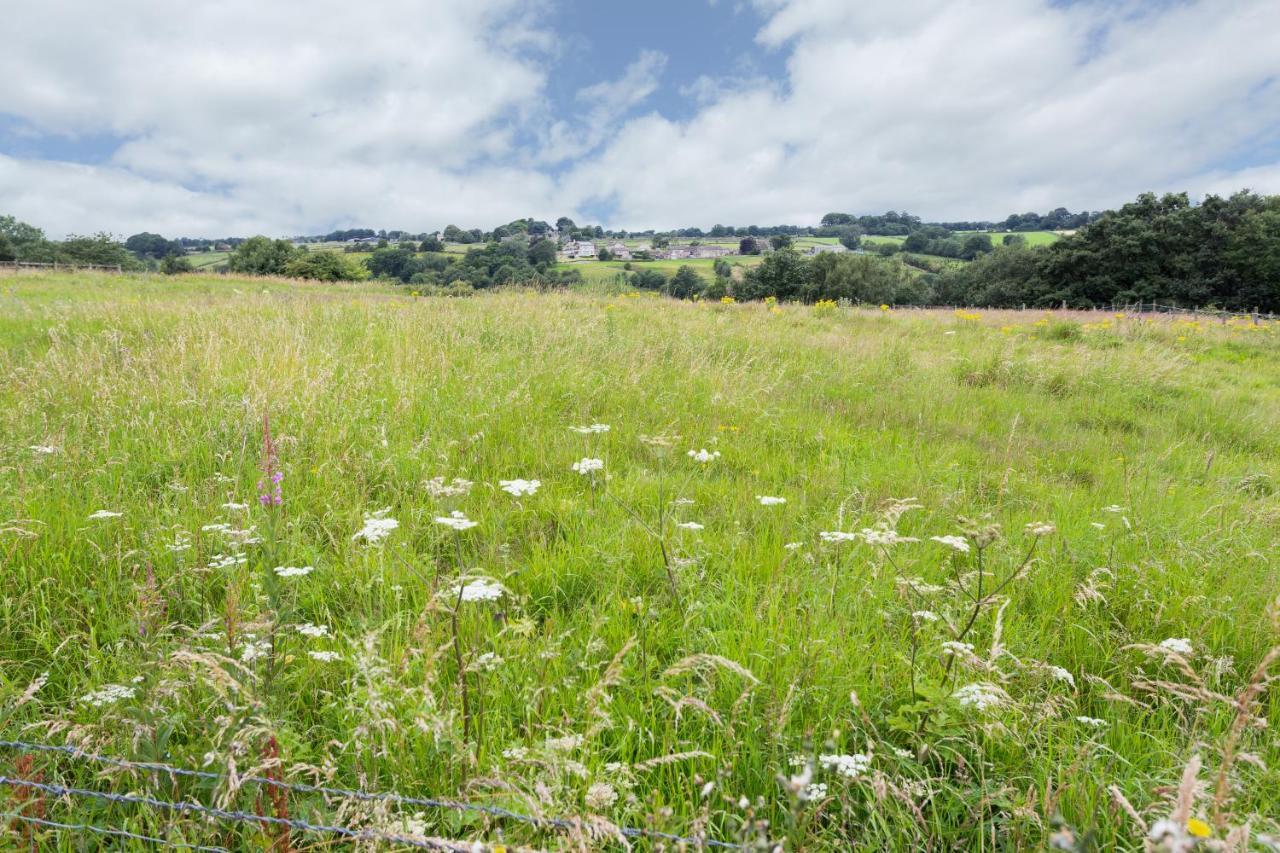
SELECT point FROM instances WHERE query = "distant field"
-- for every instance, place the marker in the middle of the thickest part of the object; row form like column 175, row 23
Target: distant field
column 208, row 260
column 599, row 271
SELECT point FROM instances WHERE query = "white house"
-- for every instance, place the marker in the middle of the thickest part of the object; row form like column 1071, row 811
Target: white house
column 824, row 248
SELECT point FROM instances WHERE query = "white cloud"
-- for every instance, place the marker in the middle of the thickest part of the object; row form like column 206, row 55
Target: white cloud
column 239, row 117
column 959, row 109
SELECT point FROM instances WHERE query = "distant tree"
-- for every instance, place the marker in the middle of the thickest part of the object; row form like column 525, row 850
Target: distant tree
column 7, row 252
column 432, row 244
column 20, row 233
column 784, row 274
column 261, row 256
column 320, row 266
column 1014, row 240
column 685, row 284
column 649, row 280
column 393, row 263
column 779, row 241
column 542, row 253
column 722, row 268
column 975, row 245
column 604, row 255
column 850, row 237
column 837, row 219
column 748, row 246
column 175, row 265
column 564, row 223
column 148, row 245
column 99, row 250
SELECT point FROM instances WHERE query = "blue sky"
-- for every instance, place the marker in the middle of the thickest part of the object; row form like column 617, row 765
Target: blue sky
column 231, row 117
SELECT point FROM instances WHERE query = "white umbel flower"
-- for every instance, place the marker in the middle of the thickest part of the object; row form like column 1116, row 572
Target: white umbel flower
column 457, row 520
column 586, row 465
column 520, row 488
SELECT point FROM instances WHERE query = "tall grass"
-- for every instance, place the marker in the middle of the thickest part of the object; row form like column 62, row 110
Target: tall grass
column 748, row 678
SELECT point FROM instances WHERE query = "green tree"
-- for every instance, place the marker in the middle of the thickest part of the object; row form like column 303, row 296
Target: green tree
column 784, row 274
column 542, row 254
column 779, row 241
column 748, row 246
column 685, row 284
column 7, row 252
column 432, row 244
column 99, row 250
column 320, row 266
column 262, row 256
column 604, row 255
column 176, row 264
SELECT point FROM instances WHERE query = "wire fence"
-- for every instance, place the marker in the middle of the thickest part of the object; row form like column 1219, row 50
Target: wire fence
column 18, row 266
column 33, row 790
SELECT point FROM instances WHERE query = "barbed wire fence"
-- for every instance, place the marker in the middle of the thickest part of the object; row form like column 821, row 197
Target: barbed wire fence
column 31, row 797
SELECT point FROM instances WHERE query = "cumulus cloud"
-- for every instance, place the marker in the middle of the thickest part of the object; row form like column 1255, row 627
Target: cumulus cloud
column 236, row 117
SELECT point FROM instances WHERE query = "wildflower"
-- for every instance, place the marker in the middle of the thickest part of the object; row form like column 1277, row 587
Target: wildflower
column 689, row 525
column 227, row 561
column 955, row 647
column 851, row 766
column 415, row 824
column 215, row 528
column 980, row 695
column 103, row 514
column 520, row 488
column 883, row 535
column 793, row 546
column 485, row 662
column 325, row 657
column 601, row 796
column 1040, row 528
column 253, row 650
column 481, row 589
column 1178, row 645
column 181, row 542
column 1091, row 721
column 438, row 488
column 814, row 791
column 457, row 520
column 1114, row 508
column 594, row 429
column 376, row 527
column 310, row 629
column 1198, row 828
column 1061, row 675
column 924, row 616
column 294, row 571
column 235, row 507
column 109, row 694
column 767, row 500
column 957, row 543
column 269, row 495
column 837, row 536
column 43, row 449
column 587, row 465
column 704, row 456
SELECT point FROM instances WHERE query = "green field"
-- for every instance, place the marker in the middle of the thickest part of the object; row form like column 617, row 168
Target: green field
column 594, row 272
column 207, row 260
column 649, row 644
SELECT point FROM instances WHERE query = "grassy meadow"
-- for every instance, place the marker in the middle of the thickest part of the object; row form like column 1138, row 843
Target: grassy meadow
column 762, row 642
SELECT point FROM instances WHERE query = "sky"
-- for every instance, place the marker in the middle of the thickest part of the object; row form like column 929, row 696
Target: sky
column 237, row 117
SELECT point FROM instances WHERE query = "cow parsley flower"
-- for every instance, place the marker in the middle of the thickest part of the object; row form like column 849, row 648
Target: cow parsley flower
column 235, row 507
column 704, row 456
column 924, row 616
column 227, row 561
column 981, row 696
column 814, row 791
column 1040, row 528
column 294, row 571
column 109, row 694
column 520, row 488
column 851, row 766
column 376, row 527
column 689, row 525
column 1178, row 645
column 837, row 536
column 438, row 488
column 768, row 500
column 956, row 543
column 481, row 589
column 1091, row 721
column 593, row 429
column 324, row 657
column 601, row 796
column 457, row 520
column 310, row 629
column 886, row 536
column 104, row 514
column 586, row 465
column 253, row 650
column 43, row 449
column 1061, row 675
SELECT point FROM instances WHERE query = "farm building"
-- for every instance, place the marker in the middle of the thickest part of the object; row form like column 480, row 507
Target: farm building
column 825, row 248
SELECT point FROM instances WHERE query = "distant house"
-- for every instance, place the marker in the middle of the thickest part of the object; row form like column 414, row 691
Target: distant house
column 711, row 251
column 620, row 252
column 579, row 249
column 678, row 253
column 825, row 248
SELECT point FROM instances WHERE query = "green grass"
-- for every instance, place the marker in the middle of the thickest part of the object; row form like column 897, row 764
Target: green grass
column 594, row 272
column 206, row 261
column 685, row 685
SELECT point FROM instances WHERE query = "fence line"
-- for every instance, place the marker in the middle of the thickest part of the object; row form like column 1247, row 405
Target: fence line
column 304, row 788
column 102, row 830
column 21, row 265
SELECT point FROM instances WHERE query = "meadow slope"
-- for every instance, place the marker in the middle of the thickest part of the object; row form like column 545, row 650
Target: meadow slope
column 650, row 642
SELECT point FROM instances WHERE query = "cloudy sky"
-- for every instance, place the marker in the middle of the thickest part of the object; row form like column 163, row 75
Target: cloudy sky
column 237, row 116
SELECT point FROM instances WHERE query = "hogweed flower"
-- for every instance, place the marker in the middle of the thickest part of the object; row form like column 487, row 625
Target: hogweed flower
column 956, row 543
column 376, row 527
column 770, row 500
column 104, row 514
column 520, row 488
column 293, row 571
column 587, row 466
column 480, row 589
column 456, row 520
column 704, row 456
